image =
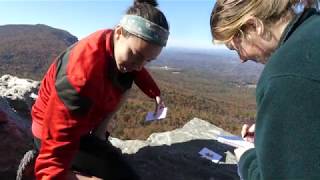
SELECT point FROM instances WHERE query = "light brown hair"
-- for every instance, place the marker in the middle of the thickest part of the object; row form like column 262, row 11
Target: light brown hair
column 229, row 16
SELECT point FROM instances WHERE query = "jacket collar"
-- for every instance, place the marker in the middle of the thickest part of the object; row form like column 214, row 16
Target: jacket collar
column 109, row 43
column 295, row 23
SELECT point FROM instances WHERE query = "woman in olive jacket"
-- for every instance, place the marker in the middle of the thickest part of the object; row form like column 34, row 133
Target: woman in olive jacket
column 288, row 93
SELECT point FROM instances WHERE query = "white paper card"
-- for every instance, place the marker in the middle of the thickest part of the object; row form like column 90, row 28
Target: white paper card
column 210, row 155
column 161, row 114
column 235, row 141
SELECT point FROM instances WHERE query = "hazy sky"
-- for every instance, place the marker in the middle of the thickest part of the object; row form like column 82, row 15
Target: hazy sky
column 189, row 19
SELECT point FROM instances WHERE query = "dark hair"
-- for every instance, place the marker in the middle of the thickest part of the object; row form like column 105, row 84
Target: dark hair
column 148, row 10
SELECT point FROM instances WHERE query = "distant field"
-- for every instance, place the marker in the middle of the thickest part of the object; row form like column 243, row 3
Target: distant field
column 219, row 98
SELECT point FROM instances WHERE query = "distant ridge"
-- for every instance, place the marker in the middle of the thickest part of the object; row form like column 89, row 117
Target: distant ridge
column 28, row 50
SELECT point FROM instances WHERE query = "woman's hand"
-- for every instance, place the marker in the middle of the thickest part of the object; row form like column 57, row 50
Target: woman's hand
column 159, row 104
column 248, row 132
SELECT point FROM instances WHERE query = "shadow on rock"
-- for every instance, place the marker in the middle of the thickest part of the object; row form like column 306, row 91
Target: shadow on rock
column 181, row 161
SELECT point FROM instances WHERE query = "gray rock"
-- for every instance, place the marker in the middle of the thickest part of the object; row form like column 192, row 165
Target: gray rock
column 15, row 133
column 20, row 93
column 174, row 155
column 15, row 138
column 11, row 115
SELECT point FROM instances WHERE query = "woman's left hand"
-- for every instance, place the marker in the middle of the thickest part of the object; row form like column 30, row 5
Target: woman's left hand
column 159, row 104
column 247, row 133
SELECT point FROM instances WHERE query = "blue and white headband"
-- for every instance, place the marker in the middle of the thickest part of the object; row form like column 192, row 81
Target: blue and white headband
column 145, row 29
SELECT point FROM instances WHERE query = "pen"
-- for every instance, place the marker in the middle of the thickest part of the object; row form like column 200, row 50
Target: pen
column 250, row 134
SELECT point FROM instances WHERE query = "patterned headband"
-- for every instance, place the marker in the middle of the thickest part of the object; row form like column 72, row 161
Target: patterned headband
column 145, row 29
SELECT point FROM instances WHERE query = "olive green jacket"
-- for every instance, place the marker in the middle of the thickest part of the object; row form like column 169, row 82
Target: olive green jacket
column 287, row 144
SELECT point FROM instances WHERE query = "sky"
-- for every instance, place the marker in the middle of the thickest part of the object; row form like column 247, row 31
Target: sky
column 188, row 19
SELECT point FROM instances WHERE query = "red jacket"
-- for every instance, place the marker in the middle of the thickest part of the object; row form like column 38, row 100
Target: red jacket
column 80, row 88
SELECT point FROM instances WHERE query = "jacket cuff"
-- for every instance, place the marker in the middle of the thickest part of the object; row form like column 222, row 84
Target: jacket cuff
column 245, row 163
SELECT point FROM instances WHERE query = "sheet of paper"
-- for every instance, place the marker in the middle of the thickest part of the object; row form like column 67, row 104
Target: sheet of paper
column 235, row 141
column 210, row 155
column 162, row 113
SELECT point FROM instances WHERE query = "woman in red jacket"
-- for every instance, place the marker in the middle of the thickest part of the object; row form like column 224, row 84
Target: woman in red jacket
column 86, row 84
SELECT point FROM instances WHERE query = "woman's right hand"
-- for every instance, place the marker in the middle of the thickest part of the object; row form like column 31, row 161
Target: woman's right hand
column 159, row 104
column 248, row 132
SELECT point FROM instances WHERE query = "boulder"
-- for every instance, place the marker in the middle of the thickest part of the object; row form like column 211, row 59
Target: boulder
column 20, row 93
column 174, row 154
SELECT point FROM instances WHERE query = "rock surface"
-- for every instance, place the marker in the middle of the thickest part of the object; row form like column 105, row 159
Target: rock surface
column 20, row 93
column 15, row 121
column 174, row 155
column 15, row 140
